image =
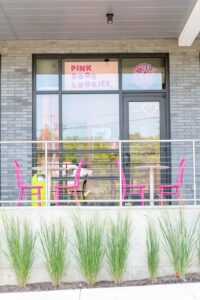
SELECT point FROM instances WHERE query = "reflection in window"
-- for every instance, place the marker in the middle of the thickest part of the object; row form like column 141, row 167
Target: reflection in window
column 143, row 74
column 79, row 75
column 144, row 120
column 47, row 75
column 47, row 117
column 91, row 117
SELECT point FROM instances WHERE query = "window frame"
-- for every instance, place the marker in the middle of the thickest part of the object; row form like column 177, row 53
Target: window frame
column 119, row 56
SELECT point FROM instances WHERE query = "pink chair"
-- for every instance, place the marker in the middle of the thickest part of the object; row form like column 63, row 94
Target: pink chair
column 175, row 189
column 73, row 187
column 22, row 187
column 138, row 187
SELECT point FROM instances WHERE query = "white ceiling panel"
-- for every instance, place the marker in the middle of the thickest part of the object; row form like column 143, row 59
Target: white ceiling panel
column 4, row 36
column 69, row 24
column 116, row 29
column 80, row 19
column 105, row 36
column 97, row 18
column 86, row 3
column 177, row 11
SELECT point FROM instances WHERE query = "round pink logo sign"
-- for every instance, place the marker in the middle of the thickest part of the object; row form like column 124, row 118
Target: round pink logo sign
column 144, row 75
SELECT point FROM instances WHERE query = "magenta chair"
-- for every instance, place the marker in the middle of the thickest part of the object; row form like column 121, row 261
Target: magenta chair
column 138, row 187
column 173, row 189
column 22, row 187
column 72, row 187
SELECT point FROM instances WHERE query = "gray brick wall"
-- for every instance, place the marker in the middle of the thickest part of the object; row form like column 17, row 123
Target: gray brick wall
column 16, row 83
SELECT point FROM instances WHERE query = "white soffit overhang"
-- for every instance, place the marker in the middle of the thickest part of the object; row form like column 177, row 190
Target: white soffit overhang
column 86, row 19
column 191, row 28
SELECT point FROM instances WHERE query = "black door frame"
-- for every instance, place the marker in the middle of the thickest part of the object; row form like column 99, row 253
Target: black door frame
column 165, row 150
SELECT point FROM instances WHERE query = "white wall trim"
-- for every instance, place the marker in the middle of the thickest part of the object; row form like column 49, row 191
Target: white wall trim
column 191, row 28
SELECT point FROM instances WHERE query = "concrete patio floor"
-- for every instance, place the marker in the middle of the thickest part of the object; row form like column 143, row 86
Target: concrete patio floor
column 188, row 291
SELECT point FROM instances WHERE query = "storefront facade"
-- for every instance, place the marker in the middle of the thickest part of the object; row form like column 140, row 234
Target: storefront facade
column 171, row 97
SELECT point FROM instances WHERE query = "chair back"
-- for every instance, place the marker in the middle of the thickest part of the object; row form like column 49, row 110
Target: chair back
column 123, row 179
column 180, row 173
column 18, row 173
column 77, row 175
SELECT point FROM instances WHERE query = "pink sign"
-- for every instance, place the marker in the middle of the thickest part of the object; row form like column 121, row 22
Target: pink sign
column 146, row 76
column 144, row 68
column 90, row 75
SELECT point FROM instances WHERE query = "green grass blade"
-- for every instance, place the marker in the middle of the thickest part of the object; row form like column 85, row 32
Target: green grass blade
column 54, row 244
column 89, row 248
column 153, row 249
column 117, row 247
column 179, row 241
column 20, row 241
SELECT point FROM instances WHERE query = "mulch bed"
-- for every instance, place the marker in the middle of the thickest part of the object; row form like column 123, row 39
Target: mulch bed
column 46, row 286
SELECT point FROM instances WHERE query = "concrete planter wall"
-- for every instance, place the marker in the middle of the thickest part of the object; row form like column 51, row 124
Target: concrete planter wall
column 137, row 266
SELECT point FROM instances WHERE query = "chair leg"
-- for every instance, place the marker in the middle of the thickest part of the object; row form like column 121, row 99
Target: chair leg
column 123, row 195
column 76, row 196
column 57, row 196
column 19, row 198
column 142, row 196
column 179, row 196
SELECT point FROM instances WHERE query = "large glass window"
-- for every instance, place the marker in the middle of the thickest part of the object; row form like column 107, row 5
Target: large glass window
column 90, row 117
column 47, row 117
column 80, row 98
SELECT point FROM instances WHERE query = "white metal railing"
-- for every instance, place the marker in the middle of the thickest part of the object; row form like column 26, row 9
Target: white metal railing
column 57, row 161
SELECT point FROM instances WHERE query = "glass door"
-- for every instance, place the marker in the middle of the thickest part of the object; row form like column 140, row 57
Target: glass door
column 144, row 122
column 144, row 117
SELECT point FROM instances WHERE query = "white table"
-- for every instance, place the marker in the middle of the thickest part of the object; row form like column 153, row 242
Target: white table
column 152, row 169
column 51, row 168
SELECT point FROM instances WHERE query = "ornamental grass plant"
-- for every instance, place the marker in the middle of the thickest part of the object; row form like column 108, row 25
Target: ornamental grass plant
column 117, row 247
column 54, row 242
column 20, row 241
column 153, row 249
column 179, row 241
column 89, row 247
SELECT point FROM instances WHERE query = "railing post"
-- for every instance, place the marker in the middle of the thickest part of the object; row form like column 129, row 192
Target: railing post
column 194, row 171
column 46, row 174
column 120, row 171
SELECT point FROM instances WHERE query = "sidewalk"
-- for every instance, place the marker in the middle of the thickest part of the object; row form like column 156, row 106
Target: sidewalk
column 188, row 291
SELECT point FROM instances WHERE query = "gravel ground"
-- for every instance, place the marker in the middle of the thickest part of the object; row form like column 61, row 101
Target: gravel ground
column 46, row 286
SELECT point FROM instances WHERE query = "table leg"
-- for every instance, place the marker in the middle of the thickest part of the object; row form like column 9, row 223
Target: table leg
column 48, row 192
column 151, row 186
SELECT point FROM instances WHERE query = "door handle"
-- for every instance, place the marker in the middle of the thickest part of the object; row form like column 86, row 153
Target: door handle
column 126, row 158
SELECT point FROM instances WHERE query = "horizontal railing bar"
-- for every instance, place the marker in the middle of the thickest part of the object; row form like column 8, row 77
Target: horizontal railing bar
column 98, row 141
column 61, row 151
column 99, row 200
column 86, row 178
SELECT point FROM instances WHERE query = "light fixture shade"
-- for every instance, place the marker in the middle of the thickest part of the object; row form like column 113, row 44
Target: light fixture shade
column 109, row 18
